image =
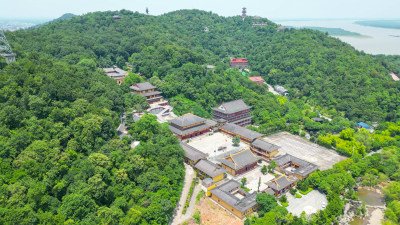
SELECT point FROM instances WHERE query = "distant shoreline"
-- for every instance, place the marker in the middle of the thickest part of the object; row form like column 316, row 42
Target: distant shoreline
column 389, row 24
column 334, row 31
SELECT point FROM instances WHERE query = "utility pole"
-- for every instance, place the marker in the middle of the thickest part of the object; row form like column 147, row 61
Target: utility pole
column 5, row 48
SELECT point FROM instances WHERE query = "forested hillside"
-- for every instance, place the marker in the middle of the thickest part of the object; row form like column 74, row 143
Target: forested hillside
column 61, row 159
column 323, row 69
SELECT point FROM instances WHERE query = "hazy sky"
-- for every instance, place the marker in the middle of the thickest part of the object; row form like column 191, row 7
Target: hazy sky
column 273, row 9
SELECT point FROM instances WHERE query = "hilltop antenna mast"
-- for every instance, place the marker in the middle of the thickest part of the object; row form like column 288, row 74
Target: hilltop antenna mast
column 244, row 13
column 5, row 48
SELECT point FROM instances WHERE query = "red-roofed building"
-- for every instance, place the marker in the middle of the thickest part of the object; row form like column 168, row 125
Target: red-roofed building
column 259, row 80
column 239, row 63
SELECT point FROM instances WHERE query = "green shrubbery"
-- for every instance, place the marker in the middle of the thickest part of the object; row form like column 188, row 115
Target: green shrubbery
column 305, row 192
column 189, row 196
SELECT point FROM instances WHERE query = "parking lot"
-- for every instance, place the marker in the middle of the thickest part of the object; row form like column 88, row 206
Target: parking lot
column 209, row 144
column 310, row 203
column 303, row 149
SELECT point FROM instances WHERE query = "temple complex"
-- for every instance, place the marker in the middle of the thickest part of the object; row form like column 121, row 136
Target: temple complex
column 192, row 155
column 258, row 79
column 281, row 185
column 148, row 91
column 207, row 169
column 245, row 134
column 238, row 163
column 264, row 149
column 116, row 74
column 235, row 199
column 239, row 63
column 189, row 125
column 291, row 165
column 236, row 112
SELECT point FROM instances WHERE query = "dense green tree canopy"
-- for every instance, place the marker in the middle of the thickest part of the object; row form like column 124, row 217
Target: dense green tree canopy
column 61, row 159
column 310, row 63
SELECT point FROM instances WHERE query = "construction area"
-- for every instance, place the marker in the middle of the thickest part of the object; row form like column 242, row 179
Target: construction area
column 294, row 145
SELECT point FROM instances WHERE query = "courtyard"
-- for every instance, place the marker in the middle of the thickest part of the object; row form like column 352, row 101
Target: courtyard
column 294, row 145
column 216, row 145
column 309, row 203
column 253, row 178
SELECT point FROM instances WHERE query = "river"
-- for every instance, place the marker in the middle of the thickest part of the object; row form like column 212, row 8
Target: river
column 374, row 40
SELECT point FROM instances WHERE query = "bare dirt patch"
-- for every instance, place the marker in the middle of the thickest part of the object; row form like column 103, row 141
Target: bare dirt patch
column 212, row 214
column 294, row 145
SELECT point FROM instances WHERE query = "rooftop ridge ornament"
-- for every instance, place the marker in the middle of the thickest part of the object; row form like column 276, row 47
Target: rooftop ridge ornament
column 5, row 48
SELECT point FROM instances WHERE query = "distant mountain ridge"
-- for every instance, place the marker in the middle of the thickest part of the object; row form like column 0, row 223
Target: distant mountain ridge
column 63, row 17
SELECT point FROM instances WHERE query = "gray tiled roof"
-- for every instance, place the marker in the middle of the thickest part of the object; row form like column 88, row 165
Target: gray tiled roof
column 304, row 169
column 229, row 186
column 281, row 182
column 209, row 168
column 151, row 93
column 241, row 131
column 280, row 89
column 240, row 159
column 269, row 191
column 208, row 181
column 282, row 160
column 189, row 130
column 225, row 193
column 264, row 145
column 241, row 120
column 192, row 153
column 232, row 107
column 142, row 86
column 115, row 71
column 187, row 120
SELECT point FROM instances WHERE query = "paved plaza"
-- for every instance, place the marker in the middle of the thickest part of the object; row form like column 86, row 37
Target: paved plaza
column 303, row 149
column 309, row 203
column 209, row 144
column 253, row 178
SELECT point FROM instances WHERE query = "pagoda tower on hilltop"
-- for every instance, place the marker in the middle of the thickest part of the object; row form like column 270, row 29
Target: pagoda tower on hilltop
column 244, row 13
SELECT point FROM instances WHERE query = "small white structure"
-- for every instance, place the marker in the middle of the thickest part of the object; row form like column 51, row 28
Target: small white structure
column 9, row 57
column 281, row 28
column 134, row 144
column 210, row 67
column 281, row 90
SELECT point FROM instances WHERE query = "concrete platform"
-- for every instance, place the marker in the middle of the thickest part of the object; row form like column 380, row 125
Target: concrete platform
column 209, row 144
column 309, row 203
column 294, row 145
column 253, row 177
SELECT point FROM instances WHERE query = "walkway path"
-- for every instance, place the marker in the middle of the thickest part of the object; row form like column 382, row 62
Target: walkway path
column 189, row 211
column 178, row 218
column 121, row 130
column 371, row 153
column 271, row 89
